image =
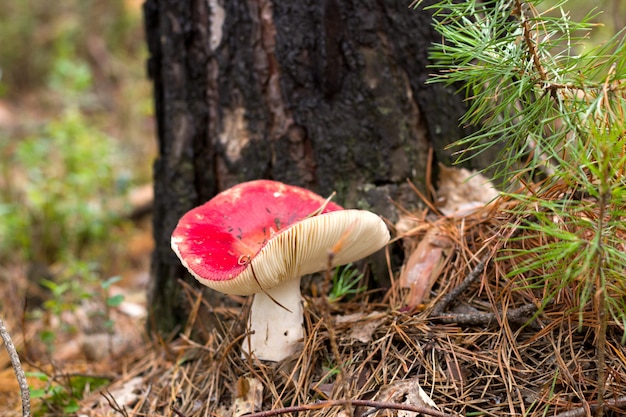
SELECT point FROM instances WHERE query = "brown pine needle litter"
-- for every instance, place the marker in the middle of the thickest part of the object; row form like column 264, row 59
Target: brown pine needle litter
column 481, row 343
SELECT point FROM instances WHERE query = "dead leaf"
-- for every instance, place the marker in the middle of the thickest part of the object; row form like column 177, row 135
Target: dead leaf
column 98, row 346
column 424, row 266
column 129, row 393
column 456, row 374
column 324, row 390
column 362, row 326
column 409, row 392
column 416, row 396
column 460, row 192
column 134, row 310
column 250, row 396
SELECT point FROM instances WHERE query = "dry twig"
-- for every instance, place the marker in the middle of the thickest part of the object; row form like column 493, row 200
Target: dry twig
column 619, row 402
column 115, row 406
column 17, row 367
column 518, row 315
column 456, row 292
column 378, row 405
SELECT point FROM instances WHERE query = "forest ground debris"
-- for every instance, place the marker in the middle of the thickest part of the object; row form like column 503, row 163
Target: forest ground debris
column 496, row 367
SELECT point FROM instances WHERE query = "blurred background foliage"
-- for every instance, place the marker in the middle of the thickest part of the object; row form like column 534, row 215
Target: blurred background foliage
column 40, row 38
column 610, row 15
column 76, row 136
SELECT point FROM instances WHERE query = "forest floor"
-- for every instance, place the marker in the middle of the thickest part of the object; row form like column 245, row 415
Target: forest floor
column 452, row 335
column 453, row 332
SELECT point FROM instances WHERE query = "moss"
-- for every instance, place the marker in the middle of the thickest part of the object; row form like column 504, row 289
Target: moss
column 384, row 110
column 363, row 204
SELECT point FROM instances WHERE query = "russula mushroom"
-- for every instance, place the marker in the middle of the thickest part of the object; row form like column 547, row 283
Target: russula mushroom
column 261, row 237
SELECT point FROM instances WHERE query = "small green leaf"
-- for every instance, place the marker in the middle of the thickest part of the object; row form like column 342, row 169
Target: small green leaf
column 115, row 300
column 107, row 284
column 39, row 375
column 37, row 393
column 47, row 336
column 72, row 406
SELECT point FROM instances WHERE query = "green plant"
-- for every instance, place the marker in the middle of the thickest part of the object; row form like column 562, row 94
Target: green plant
column 556, row 106
column 58, row 200
column 345, row 282
column 66, row 292
column 67, row 295
column 61, row 398
column 69, row 32
column 59, row 191
column 110, row 301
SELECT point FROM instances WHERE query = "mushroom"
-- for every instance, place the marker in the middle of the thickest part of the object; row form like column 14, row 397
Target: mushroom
column 261, row 237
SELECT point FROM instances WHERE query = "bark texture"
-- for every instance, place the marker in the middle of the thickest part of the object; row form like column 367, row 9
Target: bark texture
column 329, row 95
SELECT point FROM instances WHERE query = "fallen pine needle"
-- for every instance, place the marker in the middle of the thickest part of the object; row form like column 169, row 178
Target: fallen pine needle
column 379, row 405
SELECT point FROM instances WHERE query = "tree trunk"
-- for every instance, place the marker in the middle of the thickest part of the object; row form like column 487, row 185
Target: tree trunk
column 329, row 95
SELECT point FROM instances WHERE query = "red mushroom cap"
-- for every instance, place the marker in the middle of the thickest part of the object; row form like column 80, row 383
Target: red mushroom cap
column 217, row 240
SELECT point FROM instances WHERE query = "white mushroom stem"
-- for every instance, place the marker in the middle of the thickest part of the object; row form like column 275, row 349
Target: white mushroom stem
column 276, row 333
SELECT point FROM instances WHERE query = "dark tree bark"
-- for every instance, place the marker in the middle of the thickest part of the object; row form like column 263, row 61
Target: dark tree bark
column 329, row 95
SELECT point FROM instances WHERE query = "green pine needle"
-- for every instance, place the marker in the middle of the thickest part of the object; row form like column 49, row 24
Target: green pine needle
column 556, row 107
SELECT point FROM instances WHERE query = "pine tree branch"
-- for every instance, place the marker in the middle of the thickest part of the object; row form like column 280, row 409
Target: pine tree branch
column 530, row 43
